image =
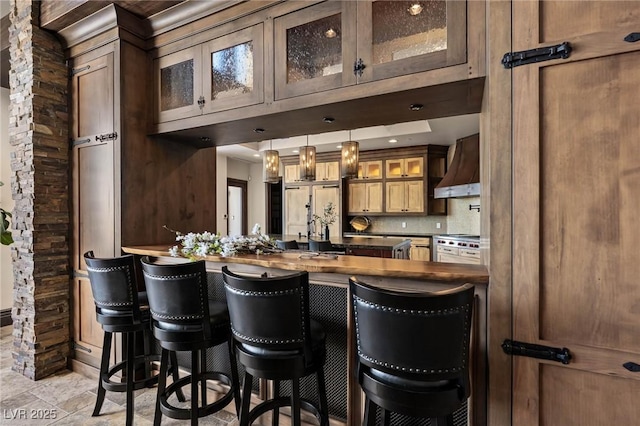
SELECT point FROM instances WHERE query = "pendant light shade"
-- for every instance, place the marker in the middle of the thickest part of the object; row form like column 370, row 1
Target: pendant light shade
column 271, row 162
column 350, row 154
column 308, row 162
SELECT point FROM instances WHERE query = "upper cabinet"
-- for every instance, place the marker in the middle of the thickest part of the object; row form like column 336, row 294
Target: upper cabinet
column 337, row 44
column 328, row 171
column 221, row 74
column 404, row 168
column 370, row 169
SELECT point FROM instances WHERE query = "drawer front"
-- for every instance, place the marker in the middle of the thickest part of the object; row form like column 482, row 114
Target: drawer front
column 448, row 250
column 470, row 253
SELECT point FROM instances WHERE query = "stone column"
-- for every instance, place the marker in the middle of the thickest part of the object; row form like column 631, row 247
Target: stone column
column 38, row 134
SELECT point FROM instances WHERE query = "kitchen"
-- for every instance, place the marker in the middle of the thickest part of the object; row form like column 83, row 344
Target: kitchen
column 244, row 162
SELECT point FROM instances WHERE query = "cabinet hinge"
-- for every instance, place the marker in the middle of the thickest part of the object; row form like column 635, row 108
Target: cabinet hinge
column 75, row 345
column 75, row 71
column 107, row 137
column 531, row 350
column 201, row 102
column 514, row 59
column 77, row 142
column 358, row 67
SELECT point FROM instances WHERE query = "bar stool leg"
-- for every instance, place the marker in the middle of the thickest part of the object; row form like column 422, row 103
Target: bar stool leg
column 235, row 379
column 131, row 338
column 104, row 368
column 369, row 412
column 443, row 421
column 176, row 375
column 295, row 401
column 194, row 387
column 203, row 380
column 162, row 384
column 386, row 417
column 246, row 399
column 322, row 394
column 276, row 411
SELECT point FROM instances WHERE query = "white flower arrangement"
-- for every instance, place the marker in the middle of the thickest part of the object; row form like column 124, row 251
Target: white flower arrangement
column 197, row 245
column 329, row 215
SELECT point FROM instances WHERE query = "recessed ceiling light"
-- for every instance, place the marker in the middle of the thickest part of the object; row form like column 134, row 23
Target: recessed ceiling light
column 339, row 146
column 328, row 120
column 415, row 9
column 258, row 130
column 295, row 151
column 393, row 140
column 256, row 155
column 415, row 107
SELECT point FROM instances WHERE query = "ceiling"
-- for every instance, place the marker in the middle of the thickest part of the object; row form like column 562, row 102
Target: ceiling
column 439, row 131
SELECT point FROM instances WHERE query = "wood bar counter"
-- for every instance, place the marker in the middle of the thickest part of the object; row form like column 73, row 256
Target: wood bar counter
column 329, row 305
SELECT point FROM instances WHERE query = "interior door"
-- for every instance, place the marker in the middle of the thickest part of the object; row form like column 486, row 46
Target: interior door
column 236, row 207
column 576, row 198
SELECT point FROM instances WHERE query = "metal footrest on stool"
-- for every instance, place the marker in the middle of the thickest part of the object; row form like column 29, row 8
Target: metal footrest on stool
column 283, row 401
column 185, row 413
column 145, row 382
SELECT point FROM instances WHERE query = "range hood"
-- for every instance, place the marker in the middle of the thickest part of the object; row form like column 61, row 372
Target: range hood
column 463, row 177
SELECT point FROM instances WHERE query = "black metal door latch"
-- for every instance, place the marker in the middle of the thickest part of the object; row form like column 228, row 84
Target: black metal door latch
column 358, row 67
column 531, row 350
column 514, row 59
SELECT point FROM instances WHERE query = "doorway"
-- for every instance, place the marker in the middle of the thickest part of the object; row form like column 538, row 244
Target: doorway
column 236, row 207
column 274, row 207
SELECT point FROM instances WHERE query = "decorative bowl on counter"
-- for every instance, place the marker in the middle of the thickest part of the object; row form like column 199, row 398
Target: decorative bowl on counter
column 360, row 223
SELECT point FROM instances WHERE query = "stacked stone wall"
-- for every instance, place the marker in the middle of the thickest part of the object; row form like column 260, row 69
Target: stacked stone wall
column 38, row 135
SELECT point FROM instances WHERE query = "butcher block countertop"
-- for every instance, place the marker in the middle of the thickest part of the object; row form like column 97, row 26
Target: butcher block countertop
column 343, row 264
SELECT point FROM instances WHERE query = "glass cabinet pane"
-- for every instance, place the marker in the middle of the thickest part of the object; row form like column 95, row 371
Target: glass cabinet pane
column 314, row 49
column 232, row 71
column 176, row 85
column 403, row 29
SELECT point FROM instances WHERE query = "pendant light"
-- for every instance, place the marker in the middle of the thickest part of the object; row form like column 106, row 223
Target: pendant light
column 271, row 162
column 308, row 162
column 350, row 154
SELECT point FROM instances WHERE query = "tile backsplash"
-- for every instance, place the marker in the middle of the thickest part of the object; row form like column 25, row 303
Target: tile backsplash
column 460, row 220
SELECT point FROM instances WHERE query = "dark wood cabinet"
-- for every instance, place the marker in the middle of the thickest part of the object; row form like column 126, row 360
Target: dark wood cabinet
column 338, row 44
column 223, row 73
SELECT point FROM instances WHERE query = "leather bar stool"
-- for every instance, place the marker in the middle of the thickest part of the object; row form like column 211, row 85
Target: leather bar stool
column 118, row 310
column 184, row 319
column 413, row 351
column 275, row 339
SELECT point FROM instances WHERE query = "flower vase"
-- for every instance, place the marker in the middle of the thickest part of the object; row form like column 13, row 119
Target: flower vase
column 326, row 232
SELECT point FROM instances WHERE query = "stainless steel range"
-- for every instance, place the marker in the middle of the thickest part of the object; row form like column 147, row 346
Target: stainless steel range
column 456, row 248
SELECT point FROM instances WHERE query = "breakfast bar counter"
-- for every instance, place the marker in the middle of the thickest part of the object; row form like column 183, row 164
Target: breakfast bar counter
column 329, row 304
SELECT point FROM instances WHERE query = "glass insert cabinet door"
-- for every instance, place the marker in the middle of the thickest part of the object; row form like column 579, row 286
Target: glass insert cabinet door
column 178, row 84
column 313, row 49
column 405, row 37
column 233, row 70
column 224, row 73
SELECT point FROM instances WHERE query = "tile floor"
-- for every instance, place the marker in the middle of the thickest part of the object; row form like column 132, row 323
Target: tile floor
column 71, row 397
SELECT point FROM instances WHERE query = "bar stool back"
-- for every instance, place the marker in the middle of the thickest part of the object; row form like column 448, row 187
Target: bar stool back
column 287, row 245
column 118, row 310
column 184, row 319
column 275, row 339
column 413, row 351
column 320, row 245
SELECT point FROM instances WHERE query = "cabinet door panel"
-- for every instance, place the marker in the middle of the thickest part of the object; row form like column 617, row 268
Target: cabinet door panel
column 92, row 98
column 374, row 197
column 295, row 217
column 291, row 173
column 405, row 37
column 87, row 332
column 233, row 70
column 94, row 201
column 414, row 196
column 322, row 196
column 178, row 84
column 357, row 197
column 395, row 197
column 312, row 49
